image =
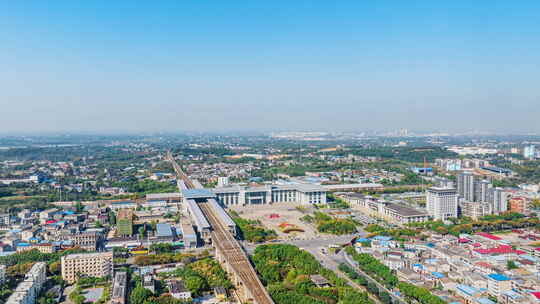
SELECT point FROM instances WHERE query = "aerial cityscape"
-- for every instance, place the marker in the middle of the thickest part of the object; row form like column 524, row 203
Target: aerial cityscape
column 283, row 152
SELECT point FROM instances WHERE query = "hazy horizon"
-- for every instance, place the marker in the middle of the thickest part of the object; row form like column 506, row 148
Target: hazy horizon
column 104, row 66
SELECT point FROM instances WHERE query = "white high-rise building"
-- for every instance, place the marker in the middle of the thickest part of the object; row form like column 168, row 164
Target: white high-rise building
column 442, row 203
column 498, row 200
column 465, row 183
column 529, row 152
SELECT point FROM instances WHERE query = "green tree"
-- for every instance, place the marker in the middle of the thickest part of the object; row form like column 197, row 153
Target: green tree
column 139, row 295
column 142, row 231
column 511, row 265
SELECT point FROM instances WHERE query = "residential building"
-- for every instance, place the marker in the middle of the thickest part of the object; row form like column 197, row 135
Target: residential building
column 97, row 264
column 474, row 209
column 465, row 186
column 85, row 240
column 442, row 203
column 518, row 204
column 28, row 291
column 5, row 219
column 529, row 152
column 498, row 200
column 119, row 288
column 178, row 290
column 123, row 205
column 149, row 283
column 498, row 284
column 41, row 247
column 481, row 190
column 124, row 222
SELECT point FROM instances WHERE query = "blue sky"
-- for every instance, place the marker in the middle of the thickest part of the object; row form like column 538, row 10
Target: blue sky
column 269, row 65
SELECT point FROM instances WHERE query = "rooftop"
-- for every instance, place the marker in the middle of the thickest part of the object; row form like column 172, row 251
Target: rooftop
column 164, row 230
column 498, row 277
column 197, row 193
column 405, row 211
column 177, row 286
column 161, row 196
column 198, row 216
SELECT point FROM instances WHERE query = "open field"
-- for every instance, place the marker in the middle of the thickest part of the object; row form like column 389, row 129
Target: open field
column 283, row 213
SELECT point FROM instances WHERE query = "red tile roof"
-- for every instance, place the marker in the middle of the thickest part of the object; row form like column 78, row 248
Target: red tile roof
column 489, row 236
column 501, row 249
column 484, row 264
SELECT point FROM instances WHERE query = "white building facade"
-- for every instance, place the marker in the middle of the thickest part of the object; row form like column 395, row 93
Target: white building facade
column 442, row 203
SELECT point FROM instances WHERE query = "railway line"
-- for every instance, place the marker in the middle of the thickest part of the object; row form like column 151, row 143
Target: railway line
column 228, row 247
column 236, row 257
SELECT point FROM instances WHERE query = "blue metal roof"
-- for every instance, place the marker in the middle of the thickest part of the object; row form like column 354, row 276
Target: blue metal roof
column 197, row 193
column 438, row 275
column 485, row 301
column 499, row 277
column 163, row 229
column 469, row 290
column 122, row 203
column 382, row 238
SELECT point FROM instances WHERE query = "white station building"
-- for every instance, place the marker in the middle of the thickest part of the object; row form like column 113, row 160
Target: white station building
column 270, row 194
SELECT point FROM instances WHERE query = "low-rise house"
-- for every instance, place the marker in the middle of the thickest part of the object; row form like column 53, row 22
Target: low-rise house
column 319, row 280
column 178, row 290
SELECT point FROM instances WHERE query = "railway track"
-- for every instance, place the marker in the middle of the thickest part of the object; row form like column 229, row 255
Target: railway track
column 236, row 257
column 225, row 242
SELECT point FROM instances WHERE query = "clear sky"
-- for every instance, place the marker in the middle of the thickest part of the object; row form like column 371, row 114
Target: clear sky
column 269, row 65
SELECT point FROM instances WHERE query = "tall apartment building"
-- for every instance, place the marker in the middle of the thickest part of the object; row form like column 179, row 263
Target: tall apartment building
column 481, row 190
column 529, row 152
column 498, row 199
column 99, row 264
column 124, row 222
column 465, row 186
column 442, row 203
column 28, row 291
column 471, row 189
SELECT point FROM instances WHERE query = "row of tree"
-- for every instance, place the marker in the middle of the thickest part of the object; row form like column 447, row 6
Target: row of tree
column 286, row 270
column 381, row 273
